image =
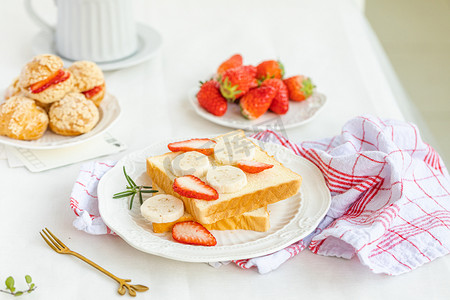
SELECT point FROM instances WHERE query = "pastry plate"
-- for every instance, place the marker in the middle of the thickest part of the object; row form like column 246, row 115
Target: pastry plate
column 149, row 42
column 298, row 114
column 291, row 219
column 109, row 113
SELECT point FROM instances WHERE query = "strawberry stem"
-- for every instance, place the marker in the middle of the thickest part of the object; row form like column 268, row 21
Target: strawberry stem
column 229, row 91
column 308, row 87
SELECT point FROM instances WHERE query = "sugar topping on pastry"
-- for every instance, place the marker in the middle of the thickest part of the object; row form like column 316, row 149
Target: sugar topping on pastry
column 13, row 89
column 39, row 68
column 73, row 115
column 43, row 88
column 89, row 80
column 21, row 118
column 87, row 75
column 44, row 79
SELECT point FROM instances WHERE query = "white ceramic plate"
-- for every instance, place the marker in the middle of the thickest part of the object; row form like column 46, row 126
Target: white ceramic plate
column 109, row 113
column 149, row 42
column 291, row 219
column 298, row 114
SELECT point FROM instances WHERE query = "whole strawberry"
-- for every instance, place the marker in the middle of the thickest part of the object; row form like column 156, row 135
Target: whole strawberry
column 269, row 69
column 299, row 87
column 257, row 101
column 232, row 62
column 252, row 71
column 280, row 103
column 234, row 83
column 210, row 98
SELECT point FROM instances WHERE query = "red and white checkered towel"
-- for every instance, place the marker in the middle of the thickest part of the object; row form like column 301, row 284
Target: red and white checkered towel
column 390, row 198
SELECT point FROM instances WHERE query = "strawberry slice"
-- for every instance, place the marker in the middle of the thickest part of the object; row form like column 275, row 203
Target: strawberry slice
column 204, row 146
column 55, row 78
column 193, row 233
column 252, row 166
column 191, row 186
column 61, row 78
column 92, row 92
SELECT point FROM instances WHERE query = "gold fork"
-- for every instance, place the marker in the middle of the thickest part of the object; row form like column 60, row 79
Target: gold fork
column 59, row 247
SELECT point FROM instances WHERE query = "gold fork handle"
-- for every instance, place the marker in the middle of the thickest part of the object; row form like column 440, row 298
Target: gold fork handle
column 86, row 260
column 123, row 283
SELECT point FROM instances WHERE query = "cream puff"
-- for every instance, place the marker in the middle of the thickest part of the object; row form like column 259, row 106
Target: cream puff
column 44, row 79
column 22, row 119
column 89, row 80
column 73, row 115
column 13, row 89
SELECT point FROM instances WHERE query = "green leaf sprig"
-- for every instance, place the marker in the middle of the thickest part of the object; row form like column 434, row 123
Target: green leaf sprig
column 11, row 289
column 133, row 189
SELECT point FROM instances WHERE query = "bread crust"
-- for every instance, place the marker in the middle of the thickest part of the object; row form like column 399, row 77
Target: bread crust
column 245, row 221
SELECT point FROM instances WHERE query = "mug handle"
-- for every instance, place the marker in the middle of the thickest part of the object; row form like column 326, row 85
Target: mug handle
column 30, row 10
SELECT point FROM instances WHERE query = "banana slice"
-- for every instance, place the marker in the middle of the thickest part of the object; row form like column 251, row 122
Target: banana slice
column 162, row 208
column 226, row 179
column 229, row 151
column 190, row 163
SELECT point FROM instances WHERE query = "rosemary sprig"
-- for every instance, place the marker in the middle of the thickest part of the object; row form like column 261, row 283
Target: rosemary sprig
column 132, row 189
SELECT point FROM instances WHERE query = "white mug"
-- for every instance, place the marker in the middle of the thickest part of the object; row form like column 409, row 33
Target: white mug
column 95, row 30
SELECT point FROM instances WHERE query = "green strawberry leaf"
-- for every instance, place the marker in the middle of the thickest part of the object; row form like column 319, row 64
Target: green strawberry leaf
column 307, row 87
column 280, row 64
column 228, row 90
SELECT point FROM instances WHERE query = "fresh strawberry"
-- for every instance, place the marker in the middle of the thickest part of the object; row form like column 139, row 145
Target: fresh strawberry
column 55, row 78
column 252, row 166
column 193, row 233
column 252, row 71
column 257, row 101
column 94, row 91
column 269, row 69
column 210, row 98
column 299, row 87
column 62, row 78
column 204, row 146
column 280, row 103
column 191, row 186
column 232, row 62
column 234, row 83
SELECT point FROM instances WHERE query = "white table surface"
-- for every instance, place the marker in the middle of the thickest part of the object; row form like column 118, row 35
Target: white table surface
column 327, row 40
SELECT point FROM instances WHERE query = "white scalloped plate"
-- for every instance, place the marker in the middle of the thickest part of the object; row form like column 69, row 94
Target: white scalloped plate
column 109, row 113
column 299, row 113
column 291, row 219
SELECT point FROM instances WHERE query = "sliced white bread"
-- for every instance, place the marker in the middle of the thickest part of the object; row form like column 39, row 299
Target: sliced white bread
column 270, row 186
column 256, row 220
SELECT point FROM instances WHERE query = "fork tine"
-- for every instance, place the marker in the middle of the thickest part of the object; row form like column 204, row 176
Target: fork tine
column 49, row 243
column 56, row 239
column 51, row 240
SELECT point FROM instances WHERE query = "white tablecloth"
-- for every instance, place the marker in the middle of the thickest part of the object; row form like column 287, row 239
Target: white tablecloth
column 327, row 40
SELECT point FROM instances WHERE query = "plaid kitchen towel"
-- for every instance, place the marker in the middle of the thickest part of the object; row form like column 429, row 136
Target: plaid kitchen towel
column 390, row 198
column 83, row 199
